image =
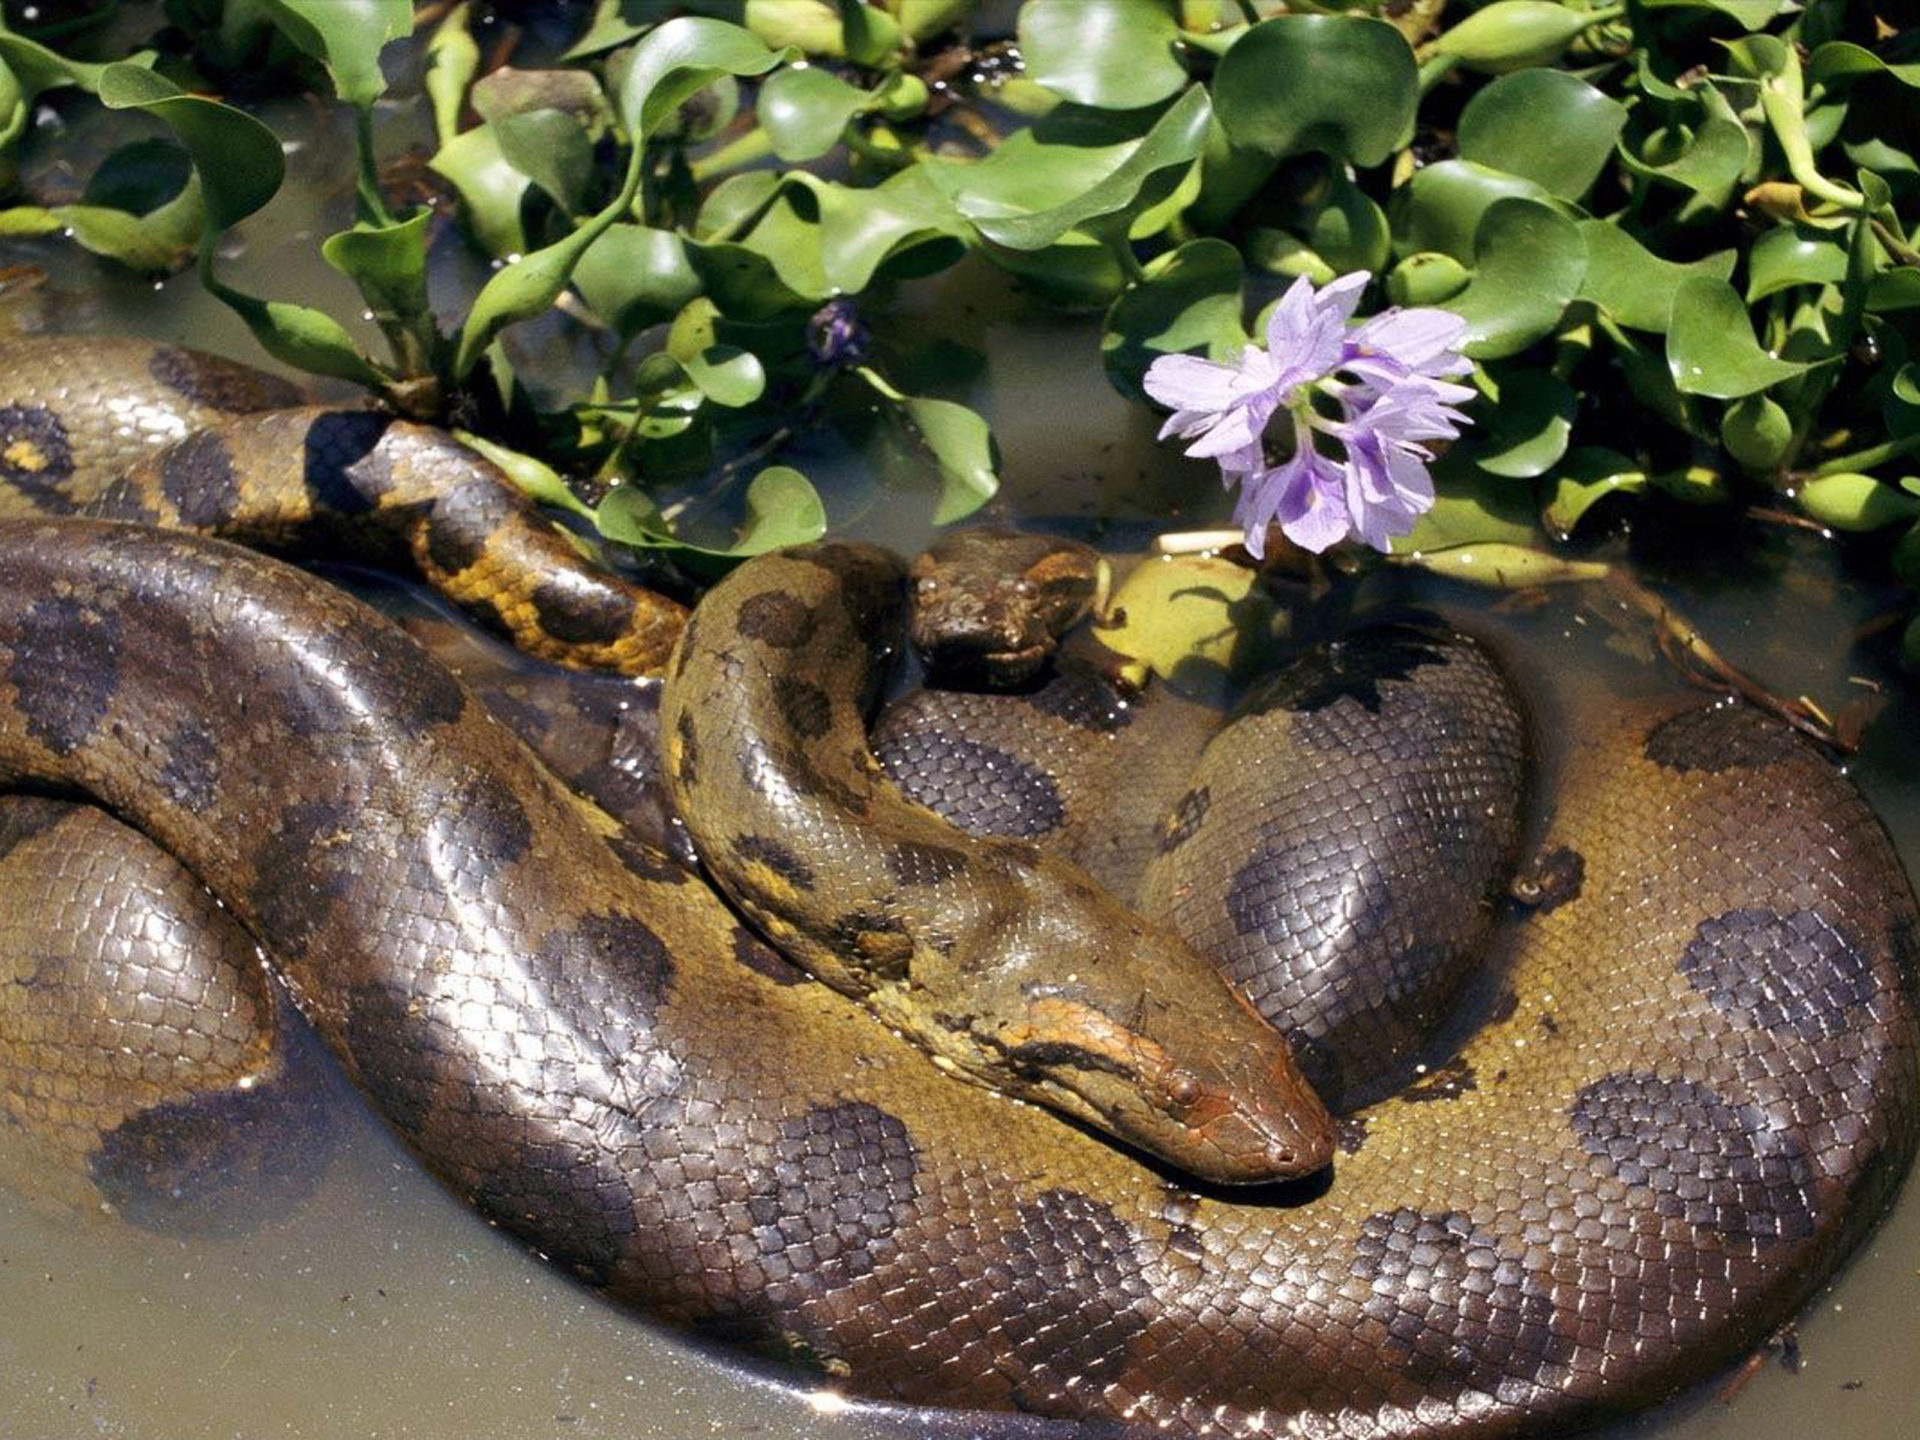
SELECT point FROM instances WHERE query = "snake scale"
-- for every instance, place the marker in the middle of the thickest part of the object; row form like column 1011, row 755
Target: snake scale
column 1695, row 1092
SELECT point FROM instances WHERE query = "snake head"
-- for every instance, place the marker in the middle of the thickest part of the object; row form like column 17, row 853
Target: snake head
column 1225, row 1103
column 989, row 606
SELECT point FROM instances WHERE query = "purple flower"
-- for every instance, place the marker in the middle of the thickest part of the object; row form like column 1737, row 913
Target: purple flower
column 1387, row 378
column 835, row 335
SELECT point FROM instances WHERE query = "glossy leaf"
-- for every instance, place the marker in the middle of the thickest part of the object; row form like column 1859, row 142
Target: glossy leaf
column 1544, row 125
column 1584, row 478
column 1634, row 285
column 303, row 337
column 781, row 508
column 387, row 262
column 634, row 276
column 533, row 477
column 1528, row 263
column 1441, row 210
column 1710, row 344
column 1471, row 507
column 1786, row 256
column 1191, row 301
column 238, row 159
column 1343, row 85
column 347, row 37
column 804, row 109
column 1492, row 565
column 1148, row 172
column 726, row 375
column 868, row 32
column 490, row 189
column 1194, row 620
column 1708, row 159
column 1838, row 58
column 1117, row 54
column 550, row 149
column 1526, row 425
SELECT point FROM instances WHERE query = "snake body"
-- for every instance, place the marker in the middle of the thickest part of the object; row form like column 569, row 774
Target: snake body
column 1694, row 1090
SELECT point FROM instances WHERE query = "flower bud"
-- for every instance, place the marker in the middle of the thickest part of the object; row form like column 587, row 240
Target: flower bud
column 1513, row 34
column 1428, row 278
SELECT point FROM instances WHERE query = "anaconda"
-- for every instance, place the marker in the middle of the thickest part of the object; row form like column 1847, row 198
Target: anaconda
column 1699, row 1093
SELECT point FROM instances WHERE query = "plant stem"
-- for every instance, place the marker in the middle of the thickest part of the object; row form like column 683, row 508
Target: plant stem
column 746, row 149
column 373, row 204
column 1862, row 460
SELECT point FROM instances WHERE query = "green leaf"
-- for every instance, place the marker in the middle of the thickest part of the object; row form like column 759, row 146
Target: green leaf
column 490, row 189
column 782, row 508
column 1710, row 344
column 1116, row 54
column 1191, row 300
column 866, row 229
column 303, row 337
column 1491, row 565
column 1513, row 34
column 677, row 60
column 1856, row 502
column 804, row 109
column 1344, row 85
column 1471, row 508
column 1585, row 477
column 159, row 241
column 1650, row 382
column 634, row 276
column 36, row 68
column 534, row 477
column 1526, row 431
column 726, row 375
column 1349, row 231
column 1839, row 58
column 1634, row 285
column 550, row 149
column 1145, row 176
column 1708, row 160
column 1786, row 256
column 388, row 263
column 453, row 59
column 1426, row 278
column 953, row 437
column 238, row 159
column 1528, row 263
column 1545, row 125
column 1750, row 13
column 1441, row 209
column 347, row 37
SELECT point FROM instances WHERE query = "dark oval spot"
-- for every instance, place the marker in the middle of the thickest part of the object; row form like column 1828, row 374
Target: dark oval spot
column 913, row 863
column 35, row 456
column 1073, row 1292
column 1180, row 826
column 582, row 609
column 777, row 619
column 1457, row 1309
column 123, row 499
column 66, row 668
column 982, row 789
column 570, row 1200
column 1779, row 970
column 839, row 1181
column 618, row 965
column 461, row 522
column 490, row 822
column 351, row 681
column 803, row 705
column 1720, row 738
column 689, row 760
column 1723, row 1167
column 192, row 770
column 219, row 384
column 1085, row 701
column 765, row 850
column 645, row 862
column 197, row 476
column 344, row 467
column 302, row 871
column 761, row 958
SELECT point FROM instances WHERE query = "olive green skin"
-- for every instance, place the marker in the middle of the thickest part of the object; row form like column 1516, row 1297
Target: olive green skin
column 1695, row 1091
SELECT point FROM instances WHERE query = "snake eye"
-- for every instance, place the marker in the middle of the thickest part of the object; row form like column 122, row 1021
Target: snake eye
column 1025, row 589
column 928, row 584
column 1183, row 1089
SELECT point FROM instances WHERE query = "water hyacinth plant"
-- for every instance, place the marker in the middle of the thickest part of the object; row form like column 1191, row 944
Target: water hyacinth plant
column 1679, row 239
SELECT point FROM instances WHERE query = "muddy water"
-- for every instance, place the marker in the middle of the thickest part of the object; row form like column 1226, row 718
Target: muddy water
column 377, row 1308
